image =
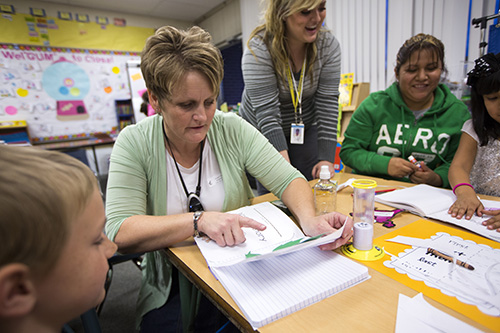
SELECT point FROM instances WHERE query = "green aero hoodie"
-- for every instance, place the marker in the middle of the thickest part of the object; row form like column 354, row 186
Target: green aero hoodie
column 383, row 127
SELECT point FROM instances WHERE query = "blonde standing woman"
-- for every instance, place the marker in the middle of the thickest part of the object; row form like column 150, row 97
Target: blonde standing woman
column 291, row 71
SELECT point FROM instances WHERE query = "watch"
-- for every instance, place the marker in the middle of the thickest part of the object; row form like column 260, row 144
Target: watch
column 196, row 217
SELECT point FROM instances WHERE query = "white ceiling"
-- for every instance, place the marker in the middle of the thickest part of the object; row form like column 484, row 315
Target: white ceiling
column 183, row 10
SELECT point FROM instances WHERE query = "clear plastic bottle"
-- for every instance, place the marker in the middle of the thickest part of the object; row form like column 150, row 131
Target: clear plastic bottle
column 363, row 213
column 325, row 192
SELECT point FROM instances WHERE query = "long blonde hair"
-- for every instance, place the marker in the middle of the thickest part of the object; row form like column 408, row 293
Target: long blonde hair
column 272, row 32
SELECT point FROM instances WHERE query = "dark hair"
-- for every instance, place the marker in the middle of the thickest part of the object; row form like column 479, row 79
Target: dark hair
column 484, row 79
column 417, row 43
column 145, row 102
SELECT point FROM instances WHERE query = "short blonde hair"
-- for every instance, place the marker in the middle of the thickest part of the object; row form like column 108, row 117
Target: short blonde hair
column 171, row 53
column 41, row 194
column 274, row 29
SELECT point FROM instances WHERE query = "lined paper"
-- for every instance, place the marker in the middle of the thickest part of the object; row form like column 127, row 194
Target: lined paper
column 270, row 289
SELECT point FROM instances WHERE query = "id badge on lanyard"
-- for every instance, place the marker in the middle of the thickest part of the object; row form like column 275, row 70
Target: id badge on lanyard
column 297, row 134
column 297, row 130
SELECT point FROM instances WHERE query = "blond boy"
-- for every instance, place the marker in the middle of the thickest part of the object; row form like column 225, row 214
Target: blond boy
column 53, row 257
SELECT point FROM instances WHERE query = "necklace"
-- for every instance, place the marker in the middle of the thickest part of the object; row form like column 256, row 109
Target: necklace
column 190, row 196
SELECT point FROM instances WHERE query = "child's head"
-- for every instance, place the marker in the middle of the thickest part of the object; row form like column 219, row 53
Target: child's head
column 484, row 80
column 53, row 258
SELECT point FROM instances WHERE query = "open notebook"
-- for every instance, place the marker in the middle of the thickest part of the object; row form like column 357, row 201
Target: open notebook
column 278, row 271
column 434, row 202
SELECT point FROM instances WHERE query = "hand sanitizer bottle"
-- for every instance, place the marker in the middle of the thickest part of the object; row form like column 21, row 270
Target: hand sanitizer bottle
column 325, row 192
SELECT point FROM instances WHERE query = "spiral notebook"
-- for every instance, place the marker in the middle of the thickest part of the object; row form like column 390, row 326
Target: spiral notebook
column 273, row 288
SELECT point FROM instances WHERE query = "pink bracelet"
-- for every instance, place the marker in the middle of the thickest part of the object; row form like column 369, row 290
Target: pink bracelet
column 455, row 187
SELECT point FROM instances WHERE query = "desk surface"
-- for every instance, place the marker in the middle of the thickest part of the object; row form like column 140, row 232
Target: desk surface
column 368, row 307
column 98, row 140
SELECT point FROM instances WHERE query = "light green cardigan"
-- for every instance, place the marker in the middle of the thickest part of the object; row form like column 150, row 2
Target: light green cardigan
column 137, row 185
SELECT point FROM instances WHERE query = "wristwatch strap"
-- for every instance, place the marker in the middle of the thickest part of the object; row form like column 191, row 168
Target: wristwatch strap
column 196, row 217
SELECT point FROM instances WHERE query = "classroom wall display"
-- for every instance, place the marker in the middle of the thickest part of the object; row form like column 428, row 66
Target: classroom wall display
column 62, row 93
column 72, row 30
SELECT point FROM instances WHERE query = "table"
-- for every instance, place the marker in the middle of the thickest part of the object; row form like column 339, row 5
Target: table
column 368, row 307
column 99, row 139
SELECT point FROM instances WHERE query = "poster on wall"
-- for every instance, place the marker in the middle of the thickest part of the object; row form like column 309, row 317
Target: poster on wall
column 137, row 87
column 62, row 93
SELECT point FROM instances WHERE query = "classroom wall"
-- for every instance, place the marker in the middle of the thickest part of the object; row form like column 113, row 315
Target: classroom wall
column 360, row 26
column 78, row 42
column 251, row 16
column 224, row 24
column 23, row 6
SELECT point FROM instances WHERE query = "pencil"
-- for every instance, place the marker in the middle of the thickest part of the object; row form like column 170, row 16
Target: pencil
column 447, row 257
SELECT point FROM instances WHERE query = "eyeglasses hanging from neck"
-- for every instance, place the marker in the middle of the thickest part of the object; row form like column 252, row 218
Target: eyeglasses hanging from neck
column 193, row 198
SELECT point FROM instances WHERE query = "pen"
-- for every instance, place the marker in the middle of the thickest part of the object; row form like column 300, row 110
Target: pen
column 414, row 161
column 447, row 257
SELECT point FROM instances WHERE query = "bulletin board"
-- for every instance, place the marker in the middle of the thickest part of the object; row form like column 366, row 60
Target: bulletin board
column 62, row 93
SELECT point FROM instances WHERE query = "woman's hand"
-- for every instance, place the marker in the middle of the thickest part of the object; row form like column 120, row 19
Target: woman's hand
column 466, row 204
column 317, row 169
column 225, row 229
column 494, row 222
column 328, row 223
column 400, row 168
column 425, row 175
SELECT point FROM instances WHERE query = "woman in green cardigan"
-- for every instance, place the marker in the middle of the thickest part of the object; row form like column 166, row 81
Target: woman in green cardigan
column 174, row 174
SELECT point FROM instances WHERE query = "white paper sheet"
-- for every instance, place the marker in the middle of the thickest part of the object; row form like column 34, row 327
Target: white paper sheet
column 415, row 315
column 479, row 287
column 280, row 230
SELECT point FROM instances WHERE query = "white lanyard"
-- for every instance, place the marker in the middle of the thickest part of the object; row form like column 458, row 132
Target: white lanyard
column 293, row 89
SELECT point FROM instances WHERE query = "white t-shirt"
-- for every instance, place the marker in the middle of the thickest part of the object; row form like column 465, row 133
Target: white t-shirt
column 212, row 187
column 485, row 174
column 469, row 129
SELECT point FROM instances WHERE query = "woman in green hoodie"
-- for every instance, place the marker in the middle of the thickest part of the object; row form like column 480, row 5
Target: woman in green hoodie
column 415, row 117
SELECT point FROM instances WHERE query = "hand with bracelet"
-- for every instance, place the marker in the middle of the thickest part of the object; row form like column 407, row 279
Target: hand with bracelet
column 467, row 202
column 476, row 159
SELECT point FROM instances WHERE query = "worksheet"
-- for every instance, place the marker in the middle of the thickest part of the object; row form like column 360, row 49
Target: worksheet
column 478, row 283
